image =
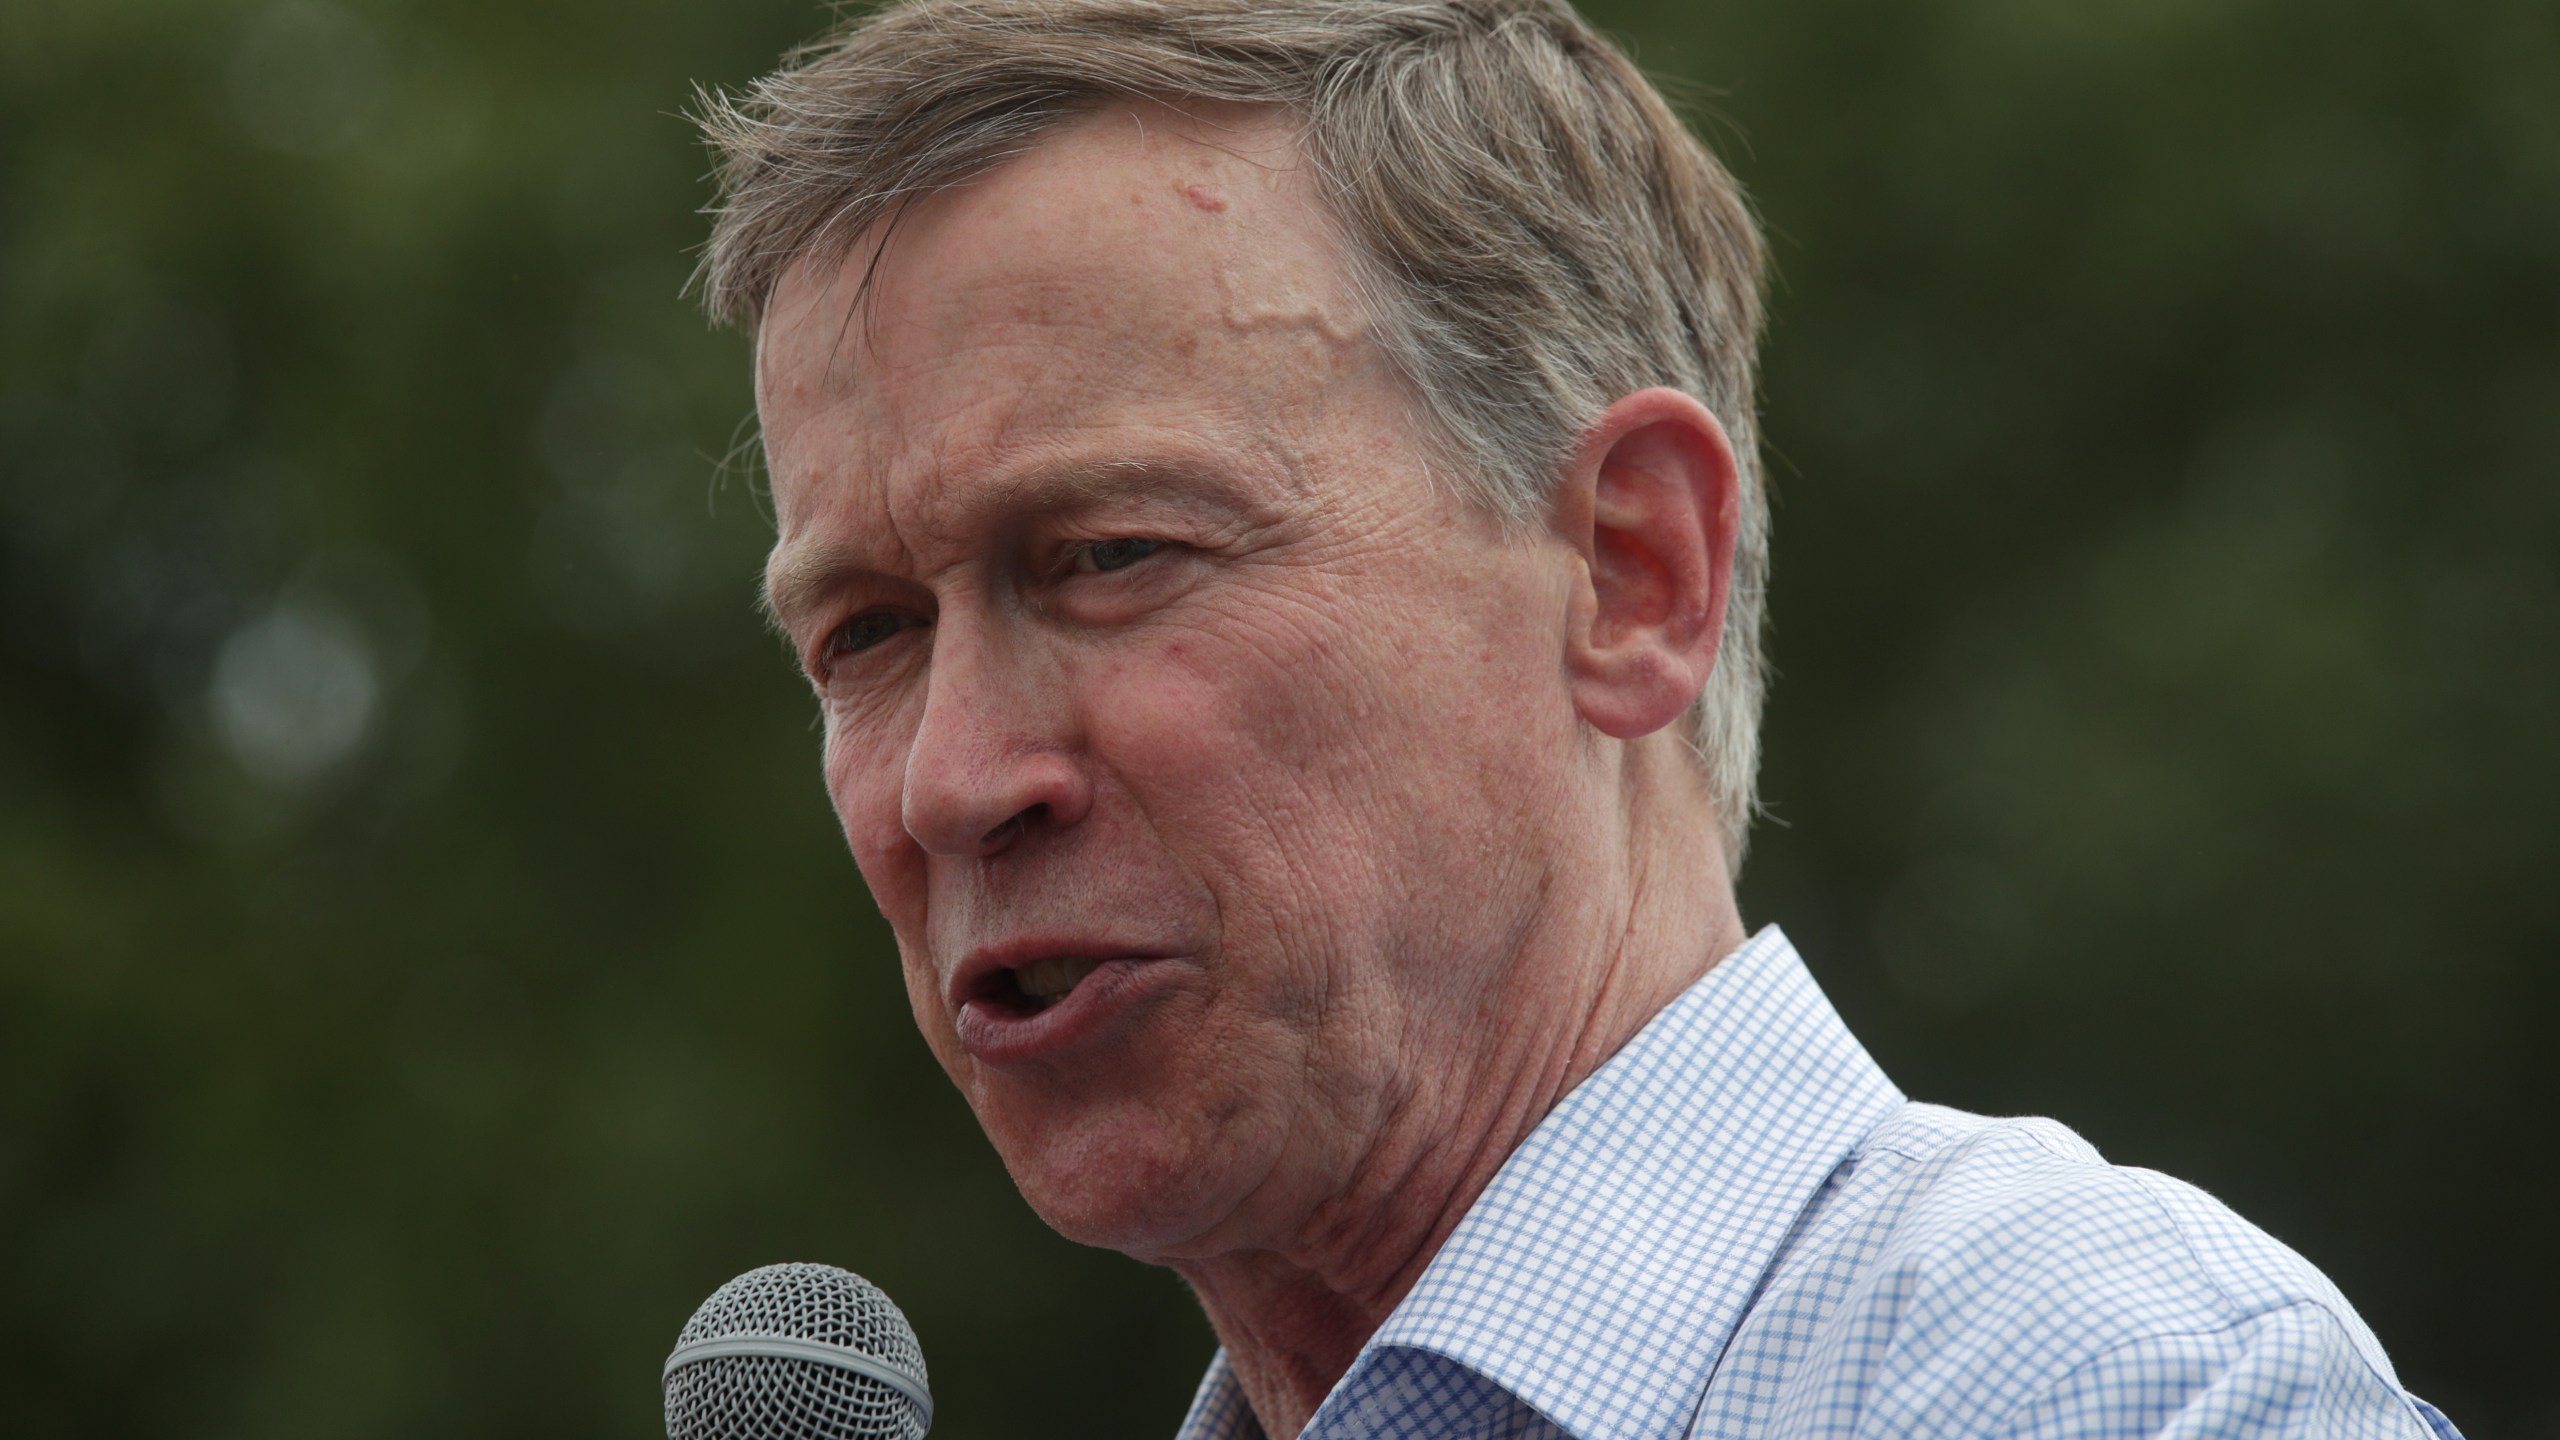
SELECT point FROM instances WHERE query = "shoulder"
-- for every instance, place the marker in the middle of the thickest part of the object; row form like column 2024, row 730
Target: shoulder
column 1991, row 1214
column 1989, row 1274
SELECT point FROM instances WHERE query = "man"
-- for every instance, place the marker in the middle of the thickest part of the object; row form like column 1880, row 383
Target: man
column 1267, row 500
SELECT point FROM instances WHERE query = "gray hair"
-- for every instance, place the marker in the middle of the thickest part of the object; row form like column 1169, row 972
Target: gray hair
column 1532, row 228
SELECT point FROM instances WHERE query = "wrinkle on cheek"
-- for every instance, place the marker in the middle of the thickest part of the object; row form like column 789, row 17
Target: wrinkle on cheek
column 924, row 1001
column 864, row 792
column 1322, row 687
column 1260, row 683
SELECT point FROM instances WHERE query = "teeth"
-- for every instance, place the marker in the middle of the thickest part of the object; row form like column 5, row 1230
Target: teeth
column 1049, row 979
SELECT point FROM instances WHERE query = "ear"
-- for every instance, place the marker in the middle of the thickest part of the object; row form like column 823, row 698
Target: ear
column 1652, row 502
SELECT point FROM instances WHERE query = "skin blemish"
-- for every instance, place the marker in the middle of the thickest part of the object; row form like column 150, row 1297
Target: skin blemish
column 1309, row 319
column 1206, row 199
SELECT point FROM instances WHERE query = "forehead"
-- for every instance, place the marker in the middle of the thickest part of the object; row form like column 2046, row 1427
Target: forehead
column 1142, row 279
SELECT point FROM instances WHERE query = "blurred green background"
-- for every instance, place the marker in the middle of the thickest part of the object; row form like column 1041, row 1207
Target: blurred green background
column 428, row 965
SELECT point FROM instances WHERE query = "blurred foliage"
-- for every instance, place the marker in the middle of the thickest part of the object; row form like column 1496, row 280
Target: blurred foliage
column 427, row 963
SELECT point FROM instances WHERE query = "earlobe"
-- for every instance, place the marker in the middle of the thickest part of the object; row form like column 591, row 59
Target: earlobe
column 1652, row 502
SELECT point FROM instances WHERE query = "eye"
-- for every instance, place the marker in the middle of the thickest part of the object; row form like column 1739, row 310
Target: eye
column 864, row 631
column 1103, row 556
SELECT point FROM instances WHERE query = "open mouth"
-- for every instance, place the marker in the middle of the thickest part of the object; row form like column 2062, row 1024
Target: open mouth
column 1030, row 989
column 1040, row 999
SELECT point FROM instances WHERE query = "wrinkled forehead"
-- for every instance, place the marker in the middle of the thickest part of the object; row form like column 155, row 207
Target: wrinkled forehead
column 1142, row 263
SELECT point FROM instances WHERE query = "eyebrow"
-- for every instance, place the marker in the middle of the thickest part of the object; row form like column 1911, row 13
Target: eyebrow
column 799, row 576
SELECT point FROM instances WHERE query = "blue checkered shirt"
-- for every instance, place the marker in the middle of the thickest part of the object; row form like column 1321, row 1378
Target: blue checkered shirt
column 1739, row 1227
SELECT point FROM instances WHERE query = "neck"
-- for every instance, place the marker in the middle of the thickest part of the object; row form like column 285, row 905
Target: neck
column 1294, row 1315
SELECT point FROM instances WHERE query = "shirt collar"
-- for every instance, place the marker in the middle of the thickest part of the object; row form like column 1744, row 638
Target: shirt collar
column 1601, row 1273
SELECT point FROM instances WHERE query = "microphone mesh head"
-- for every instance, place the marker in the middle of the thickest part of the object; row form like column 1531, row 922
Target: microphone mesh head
column 821, row 1328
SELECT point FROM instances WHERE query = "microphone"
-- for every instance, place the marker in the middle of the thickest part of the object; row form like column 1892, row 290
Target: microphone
column 797, row 1352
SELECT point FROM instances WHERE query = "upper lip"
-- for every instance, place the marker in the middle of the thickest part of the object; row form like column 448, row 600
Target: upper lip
column 982, row 969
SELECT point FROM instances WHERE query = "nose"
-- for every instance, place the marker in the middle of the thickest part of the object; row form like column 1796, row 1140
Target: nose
column 993, row 757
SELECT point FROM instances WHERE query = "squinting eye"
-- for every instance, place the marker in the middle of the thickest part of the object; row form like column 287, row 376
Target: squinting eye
column 1119, row 554
column 864, row 631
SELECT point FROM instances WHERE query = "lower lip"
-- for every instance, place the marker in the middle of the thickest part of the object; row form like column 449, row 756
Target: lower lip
column 1000, row 1035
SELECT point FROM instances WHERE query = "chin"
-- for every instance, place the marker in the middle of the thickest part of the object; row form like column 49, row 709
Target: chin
column 1141, row 1183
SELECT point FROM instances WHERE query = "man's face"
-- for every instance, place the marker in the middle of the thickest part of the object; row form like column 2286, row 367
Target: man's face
column 1207, row 757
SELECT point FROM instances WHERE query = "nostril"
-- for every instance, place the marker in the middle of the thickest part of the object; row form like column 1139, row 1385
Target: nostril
column 1012, row 830
column 977, row 800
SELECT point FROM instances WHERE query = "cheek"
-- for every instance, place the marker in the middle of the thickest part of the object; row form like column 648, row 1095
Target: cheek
column 1204, row 717
column 1245, row 747
column 863, row 784
column 863, row 779
column 932, row 1015
column 1320, row 763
